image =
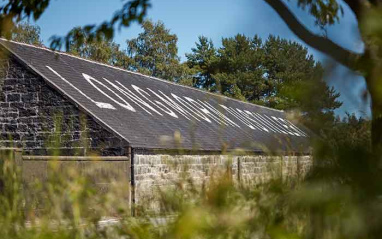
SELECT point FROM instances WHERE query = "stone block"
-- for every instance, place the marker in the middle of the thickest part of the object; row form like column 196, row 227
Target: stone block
column 13, row 97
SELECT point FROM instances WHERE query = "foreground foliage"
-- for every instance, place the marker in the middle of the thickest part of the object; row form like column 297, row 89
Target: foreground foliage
column 341, row 197
column 329, row 203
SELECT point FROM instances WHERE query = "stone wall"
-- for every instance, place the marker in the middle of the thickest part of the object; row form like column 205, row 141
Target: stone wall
column 37, row 118
column 154, row 171
column 259, row 168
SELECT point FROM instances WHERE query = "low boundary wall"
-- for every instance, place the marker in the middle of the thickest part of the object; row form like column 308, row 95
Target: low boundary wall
column 147, row 172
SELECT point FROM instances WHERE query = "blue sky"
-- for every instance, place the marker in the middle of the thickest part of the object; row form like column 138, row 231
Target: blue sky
column 215, row 19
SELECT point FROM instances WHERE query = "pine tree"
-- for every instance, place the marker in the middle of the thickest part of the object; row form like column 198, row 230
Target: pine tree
column 277, row 73
column 203, row 60
column 240, row 71
column 294, row 77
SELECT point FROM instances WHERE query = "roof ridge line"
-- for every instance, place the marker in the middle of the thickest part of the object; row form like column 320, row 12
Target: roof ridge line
column 136, row 73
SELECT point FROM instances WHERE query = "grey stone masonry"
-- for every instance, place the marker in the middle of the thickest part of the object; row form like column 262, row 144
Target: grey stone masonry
column 40, row 120
column 155, row 171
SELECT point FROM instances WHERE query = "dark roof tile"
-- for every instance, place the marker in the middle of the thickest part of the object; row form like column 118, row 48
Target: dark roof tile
column 146, row 111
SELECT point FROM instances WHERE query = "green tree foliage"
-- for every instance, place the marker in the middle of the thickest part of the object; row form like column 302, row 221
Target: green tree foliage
column 26, row 33
column 276, row 73
column 104, row 50
column 368, row 15
column 240, row 71
column 203, row 60
column 349, row 159
column 341, row 198
column 154, row 52
column 293, row 76
column 325, row 12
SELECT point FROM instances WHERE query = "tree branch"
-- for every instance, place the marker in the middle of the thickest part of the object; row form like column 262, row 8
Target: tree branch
column 355, row 6
column 323, row 44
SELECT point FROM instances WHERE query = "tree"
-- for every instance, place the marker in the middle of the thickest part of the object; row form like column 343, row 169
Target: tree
column 296, row 81
column 240, row 71
column 203, row 60
column 276, row 73
column 368, row 63
column 104, row 50
column 26, row 33
column 154, row 52
column 363, row 169
column 185, row 75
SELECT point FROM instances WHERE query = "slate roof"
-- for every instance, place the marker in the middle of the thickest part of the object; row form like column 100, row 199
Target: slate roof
column 146, row 111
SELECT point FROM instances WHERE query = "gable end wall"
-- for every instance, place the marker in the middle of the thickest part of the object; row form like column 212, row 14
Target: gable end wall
column 37, row 118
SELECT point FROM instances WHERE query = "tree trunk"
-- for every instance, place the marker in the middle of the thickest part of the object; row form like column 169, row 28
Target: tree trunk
column 374, row 87
column 374, row 187
column 376, row 132
column 375, row 91
column 375, row 161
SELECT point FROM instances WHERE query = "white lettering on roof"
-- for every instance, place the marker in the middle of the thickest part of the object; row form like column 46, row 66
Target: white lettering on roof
column 124, row 103
column 191, row 109
column 99, row 104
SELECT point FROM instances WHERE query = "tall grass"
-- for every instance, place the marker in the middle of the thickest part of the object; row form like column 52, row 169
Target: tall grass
column 331, row 202
column 68, row 205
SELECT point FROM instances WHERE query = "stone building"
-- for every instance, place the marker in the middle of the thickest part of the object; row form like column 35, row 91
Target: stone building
column 54, row 101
